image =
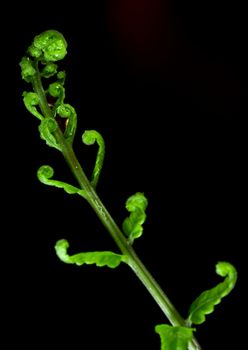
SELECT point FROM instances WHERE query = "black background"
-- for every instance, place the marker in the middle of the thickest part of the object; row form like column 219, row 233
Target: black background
column 167, row 90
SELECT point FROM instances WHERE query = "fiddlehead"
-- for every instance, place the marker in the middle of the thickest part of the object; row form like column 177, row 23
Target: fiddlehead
column 47, row 127
column 132, row 225
column 66, row 111
column 45, row 174
column 28, row 70
column 205, row 303
column 89, row 137
column 49, row 46
column 31, row 101
column 106, row 258
column 57, row 90
column 49, row 70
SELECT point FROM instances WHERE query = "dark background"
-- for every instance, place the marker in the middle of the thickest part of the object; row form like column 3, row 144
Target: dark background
column 165, row 84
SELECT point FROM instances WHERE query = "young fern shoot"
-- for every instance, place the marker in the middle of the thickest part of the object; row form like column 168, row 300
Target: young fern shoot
column 58, row 123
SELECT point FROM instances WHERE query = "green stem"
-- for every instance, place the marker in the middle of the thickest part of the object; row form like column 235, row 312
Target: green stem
column 133, row 260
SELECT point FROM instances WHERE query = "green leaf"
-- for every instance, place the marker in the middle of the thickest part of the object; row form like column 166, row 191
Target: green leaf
column 46, row 172
column 89, row 137
column 109, row 259
column 132, row 225
column 206, row 302
column 174, row 338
